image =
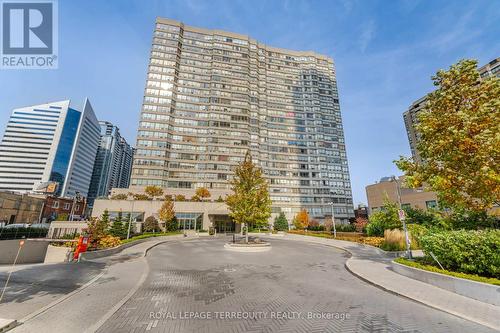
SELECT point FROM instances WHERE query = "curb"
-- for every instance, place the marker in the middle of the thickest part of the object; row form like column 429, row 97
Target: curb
column 458, row 315
column 7, row 324
column 132, row 291
column 61, row 299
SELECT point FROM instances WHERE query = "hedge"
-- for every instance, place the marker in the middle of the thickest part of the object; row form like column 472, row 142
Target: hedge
column 466, row 251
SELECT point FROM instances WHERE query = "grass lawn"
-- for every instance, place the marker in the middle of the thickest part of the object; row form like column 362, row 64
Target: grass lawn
column 149, row 235
column 435, row 269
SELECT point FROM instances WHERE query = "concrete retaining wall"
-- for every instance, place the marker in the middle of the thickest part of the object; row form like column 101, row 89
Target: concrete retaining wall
column 483, row 292
column 57, row 254
column 32, row 252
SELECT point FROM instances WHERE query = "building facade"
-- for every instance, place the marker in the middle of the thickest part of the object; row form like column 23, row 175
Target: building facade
column 49, row 143
column 410, row 116
column 20, row 208
column 387, row 189
column 212, row 95
column 113, row 163
column 57, row 208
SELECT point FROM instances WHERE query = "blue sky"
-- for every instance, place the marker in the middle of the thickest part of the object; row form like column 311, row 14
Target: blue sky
column 385, row 52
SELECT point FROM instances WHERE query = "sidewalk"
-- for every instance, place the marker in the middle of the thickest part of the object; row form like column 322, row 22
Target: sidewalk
column 370, row 264
column 98, row 298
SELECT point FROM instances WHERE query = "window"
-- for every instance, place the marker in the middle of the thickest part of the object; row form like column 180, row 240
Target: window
column 405, row 206
column 66, row 206
column 431, row 204
column 55, row 204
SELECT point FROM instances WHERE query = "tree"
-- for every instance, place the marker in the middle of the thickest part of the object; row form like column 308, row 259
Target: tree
column 140, row 196
column 121, row 196
column 280, row 222
column 150, row 224
column 195, row 198
column 172, row 225
column 301, row 220
column 180, row 197
column 153, row 191
column 459, row 142
column 219, row 199
column 360, row 224
column 118, row 229
column 97, row 229
column 166, row 213
column 249, row 204
column 202, row 193
column 385, row 218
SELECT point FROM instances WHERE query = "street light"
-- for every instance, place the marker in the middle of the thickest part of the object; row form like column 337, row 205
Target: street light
column 402, row 218
column 76, row 198
column 130, row 219
column 333, row 221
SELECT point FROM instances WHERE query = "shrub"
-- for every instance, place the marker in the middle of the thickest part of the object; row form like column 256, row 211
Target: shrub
column 280, row 222
column 394, row 240
column 470, row 220
column 62, row 217
column 416, row 231
column 386, row 218
column 345, row 227
column 108, row 241
column 360, row 224
column 474, row 252
column 316, row 228
column 120, row 196
column 180, row 197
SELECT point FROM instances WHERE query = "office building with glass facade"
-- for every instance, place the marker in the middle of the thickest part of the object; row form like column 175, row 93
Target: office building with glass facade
column 113, row 163
column 50, row 142
column 212, row 95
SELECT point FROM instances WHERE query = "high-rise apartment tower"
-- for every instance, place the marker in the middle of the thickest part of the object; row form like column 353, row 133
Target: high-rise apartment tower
column 212, row 95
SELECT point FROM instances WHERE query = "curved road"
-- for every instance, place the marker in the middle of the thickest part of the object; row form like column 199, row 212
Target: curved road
column 198, row 286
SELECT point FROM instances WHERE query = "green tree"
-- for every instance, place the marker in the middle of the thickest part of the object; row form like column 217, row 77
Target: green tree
column 459, row 140
column 153, row 191
column 385, row 218
column 280, row 222
column 172, row 225
column 249, row 204
column 118, row 229
column 151, row 224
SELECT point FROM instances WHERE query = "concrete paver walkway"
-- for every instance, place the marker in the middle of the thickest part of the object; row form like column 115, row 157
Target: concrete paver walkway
column 369, row 264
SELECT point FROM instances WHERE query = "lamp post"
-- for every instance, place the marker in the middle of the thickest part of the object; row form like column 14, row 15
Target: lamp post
column 333, row 222
column 76, row 199
column 402, row 218
column 130, row 219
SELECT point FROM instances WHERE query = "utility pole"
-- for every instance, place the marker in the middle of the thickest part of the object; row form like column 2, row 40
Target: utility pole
column 333, row 222
column 402, row 218
column 76, row 198
column 130, row 219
